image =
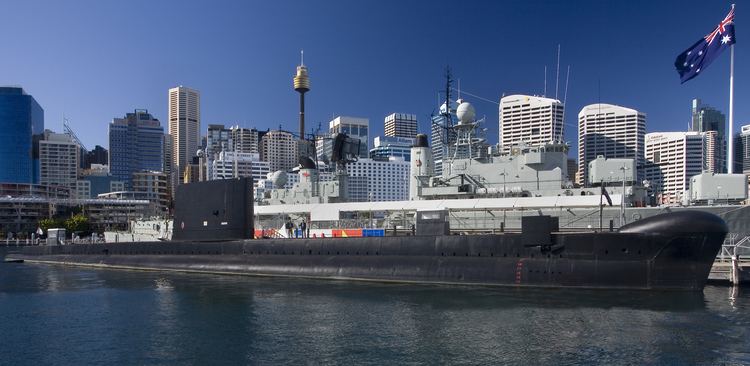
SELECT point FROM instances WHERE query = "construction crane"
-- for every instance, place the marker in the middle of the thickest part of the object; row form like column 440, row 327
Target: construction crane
column 73, row 135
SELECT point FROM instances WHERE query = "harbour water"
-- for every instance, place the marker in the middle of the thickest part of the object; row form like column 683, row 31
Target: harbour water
column 70, row 315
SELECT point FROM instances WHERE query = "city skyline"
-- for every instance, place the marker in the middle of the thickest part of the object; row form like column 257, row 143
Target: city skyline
column 245, row 80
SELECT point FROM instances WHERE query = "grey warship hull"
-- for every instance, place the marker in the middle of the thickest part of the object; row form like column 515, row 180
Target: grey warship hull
column 672, row 251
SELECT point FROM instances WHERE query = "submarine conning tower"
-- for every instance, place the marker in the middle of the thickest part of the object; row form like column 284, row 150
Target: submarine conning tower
column 421, row 166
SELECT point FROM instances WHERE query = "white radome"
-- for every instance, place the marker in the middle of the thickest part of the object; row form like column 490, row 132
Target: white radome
column 465, row 112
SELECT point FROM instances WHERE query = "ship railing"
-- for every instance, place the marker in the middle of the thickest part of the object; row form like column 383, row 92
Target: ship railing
column 732, row 247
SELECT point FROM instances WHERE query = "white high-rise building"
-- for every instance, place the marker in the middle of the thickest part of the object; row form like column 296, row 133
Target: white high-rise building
column 401, row 125
column 612, row 131
column 279, row 149
column 59, row 158
column 354, row 127
column 386, row 180
column 715, row 155
column 230, row 164
column 742, row 151
column 531, row 120
column 672, row 158
column 245, row 140
column 184, row 126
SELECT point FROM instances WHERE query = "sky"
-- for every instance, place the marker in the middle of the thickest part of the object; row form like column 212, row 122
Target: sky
column 92, row 61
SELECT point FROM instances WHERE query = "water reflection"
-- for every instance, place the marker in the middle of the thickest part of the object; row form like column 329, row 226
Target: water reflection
column 104, row 316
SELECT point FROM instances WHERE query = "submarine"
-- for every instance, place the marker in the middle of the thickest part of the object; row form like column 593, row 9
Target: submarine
column 213, row 233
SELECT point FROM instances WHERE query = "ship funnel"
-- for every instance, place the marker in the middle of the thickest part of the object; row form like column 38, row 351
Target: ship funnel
column 421, row 166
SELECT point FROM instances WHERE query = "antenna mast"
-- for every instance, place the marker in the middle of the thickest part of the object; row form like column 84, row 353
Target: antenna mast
column 448, row 83
column 567, row 78
column 557, row 76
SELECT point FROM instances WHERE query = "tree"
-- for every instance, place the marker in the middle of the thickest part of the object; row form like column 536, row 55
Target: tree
column 77, row 223
column 45, row 224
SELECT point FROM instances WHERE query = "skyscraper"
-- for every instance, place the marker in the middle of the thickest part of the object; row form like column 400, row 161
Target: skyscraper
column 184, row 127
column 385, row 147
column 229, row 164
column 612, row 131
column 401, row 125
column 354, row 127
column 98, row 155
column 218, row 139
column 279, row 149
column 742, row 151
column 59, row 158
column 531, row 120
column 21, row 128
column 135, row 144
column 442, row 135
column 706, row 118
column 672, row 158
column 245, row 140
column 168, row 160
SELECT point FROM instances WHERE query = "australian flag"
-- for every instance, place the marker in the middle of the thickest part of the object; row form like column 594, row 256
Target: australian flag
column 696, row 58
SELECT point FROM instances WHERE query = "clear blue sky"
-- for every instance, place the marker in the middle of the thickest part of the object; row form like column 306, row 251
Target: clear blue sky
column 96, row 60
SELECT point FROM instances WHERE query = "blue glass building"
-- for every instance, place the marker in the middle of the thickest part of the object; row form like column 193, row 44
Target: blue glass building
column 391, row 146
column 136, row 143
column 21, row 128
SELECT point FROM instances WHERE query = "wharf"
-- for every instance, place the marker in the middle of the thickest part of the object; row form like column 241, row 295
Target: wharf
column 721, row 272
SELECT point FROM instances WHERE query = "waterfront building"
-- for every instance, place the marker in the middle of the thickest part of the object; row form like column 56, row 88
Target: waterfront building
column 531, row 120
column 353, row 127
column 152, row 186
column 23, row 205
column 230, row 164
column 401, row 125
column 611, row 131
column 59, row 158
column 279, row 149
column 704, row 119
column 385, row 147
column 91, row 186
column 21, row 128
column 135, row 144
column 184, row 126
column 672, row 158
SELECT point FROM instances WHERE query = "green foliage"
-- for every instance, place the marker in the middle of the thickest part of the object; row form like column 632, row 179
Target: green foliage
column 77, row 223
column 49, row 224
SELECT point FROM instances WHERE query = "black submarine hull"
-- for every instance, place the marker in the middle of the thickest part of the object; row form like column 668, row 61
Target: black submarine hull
column 673, row 251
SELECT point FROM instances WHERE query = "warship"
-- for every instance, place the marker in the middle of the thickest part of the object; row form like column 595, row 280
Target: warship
column 214, row 229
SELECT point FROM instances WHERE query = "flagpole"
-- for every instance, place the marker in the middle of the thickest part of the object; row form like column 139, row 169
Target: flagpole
column 730, row 153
